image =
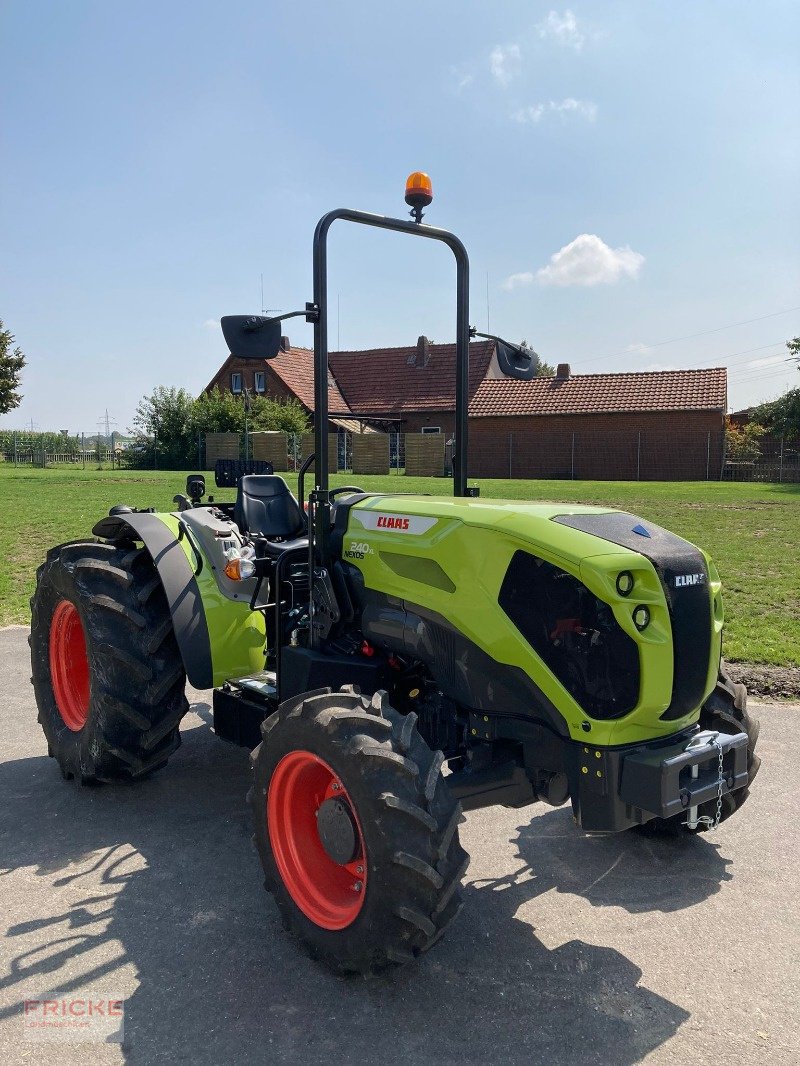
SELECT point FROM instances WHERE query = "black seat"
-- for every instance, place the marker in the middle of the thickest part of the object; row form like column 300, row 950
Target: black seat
column 265, row 508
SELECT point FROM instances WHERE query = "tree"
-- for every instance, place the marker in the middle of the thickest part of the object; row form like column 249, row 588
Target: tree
column 11, row 363
column 781, row 416
column 164, row 429
column 218, row 411
column 288, row 415
column 743, row 442
column 794, row 349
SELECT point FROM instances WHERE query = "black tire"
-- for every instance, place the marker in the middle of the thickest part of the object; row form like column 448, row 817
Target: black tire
column 136, row 680
column 726, row 711
column 414, row 861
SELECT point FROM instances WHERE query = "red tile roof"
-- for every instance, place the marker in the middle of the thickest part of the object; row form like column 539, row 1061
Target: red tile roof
column 388, row 381
column 662, row 390
column 295, row 369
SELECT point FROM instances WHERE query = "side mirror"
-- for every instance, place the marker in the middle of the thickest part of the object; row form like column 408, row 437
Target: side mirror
column 516, row 361
column 252, row 336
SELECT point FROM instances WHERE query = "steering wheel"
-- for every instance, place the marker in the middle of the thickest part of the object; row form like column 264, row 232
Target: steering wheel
column 344, row 488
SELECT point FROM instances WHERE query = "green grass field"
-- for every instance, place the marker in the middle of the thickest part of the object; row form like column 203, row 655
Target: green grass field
column 751, row 530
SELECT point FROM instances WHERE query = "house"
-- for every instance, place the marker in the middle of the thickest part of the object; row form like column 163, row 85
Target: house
column 648, row 425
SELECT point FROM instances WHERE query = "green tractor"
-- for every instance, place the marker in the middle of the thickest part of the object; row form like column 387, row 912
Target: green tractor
column 393, row 660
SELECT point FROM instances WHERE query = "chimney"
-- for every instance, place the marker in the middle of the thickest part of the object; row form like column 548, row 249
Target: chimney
column 423, row 351
column 563, row 372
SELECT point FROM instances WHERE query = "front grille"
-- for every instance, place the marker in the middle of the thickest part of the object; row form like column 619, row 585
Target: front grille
column 574, row 633
column 683, row 573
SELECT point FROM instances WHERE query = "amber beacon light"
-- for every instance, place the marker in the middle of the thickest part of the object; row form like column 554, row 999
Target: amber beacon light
column 419, row 193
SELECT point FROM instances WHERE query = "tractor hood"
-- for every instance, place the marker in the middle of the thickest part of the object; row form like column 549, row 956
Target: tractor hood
column 464, row 559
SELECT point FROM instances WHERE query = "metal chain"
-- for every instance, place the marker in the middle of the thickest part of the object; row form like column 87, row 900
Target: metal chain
column 712, row 823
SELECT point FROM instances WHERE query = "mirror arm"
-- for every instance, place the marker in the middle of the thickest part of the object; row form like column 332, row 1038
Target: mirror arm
column 310, row 314
column 489, row 336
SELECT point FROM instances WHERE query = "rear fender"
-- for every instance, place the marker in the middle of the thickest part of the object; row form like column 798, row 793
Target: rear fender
column 218, row 638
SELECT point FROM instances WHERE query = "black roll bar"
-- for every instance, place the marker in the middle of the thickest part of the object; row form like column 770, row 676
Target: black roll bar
column 320, row 311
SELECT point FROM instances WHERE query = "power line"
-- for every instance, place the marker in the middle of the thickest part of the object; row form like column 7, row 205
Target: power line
column 756, row 374
column 691, row 336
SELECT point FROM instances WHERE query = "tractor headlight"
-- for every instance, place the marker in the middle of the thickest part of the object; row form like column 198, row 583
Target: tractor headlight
column 625, row 583
column 641, row 617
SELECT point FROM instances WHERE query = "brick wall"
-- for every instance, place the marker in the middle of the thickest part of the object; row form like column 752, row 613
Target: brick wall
column 273, row 385
column 654, row 446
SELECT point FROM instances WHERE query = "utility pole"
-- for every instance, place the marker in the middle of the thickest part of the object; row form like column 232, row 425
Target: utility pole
column 105, row 421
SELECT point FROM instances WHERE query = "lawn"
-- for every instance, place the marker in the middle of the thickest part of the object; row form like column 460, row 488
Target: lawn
column 751, row 530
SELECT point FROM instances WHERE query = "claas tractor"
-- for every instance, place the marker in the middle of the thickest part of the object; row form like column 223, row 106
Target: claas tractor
column 393, row 660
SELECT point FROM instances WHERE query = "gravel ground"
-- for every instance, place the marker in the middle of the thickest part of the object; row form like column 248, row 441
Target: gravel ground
column 569, row 950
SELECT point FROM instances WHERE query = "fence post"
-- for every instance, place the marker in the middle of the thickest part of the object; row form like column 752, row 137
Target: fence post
column 16, row 460
column 572, row 460
column 639, row 456
column 708, row 457
column 83, row 451
column 780, row 467
column 199, row 453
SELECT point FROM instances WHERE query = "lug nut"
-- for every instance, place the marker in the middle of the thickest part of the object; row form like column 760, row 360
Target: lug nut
column 358, row 886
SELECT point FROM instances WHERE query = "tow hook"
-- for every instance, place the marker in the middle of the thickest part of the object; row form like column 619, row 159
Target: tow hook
column 701, row 740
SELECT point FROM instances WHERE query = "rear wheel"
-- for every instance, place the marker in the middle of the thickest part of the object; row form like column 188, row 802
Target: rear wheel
column 725, row 710
column 356, row 830
column 107, row 672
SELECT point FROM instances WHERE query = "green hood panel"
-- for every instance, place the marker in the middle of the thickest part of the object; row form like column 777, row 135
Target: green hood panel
column 451, row 555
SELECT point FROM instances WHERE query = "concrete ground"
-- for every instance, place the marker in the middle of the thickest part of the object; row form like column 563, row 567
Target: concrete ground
column 570, row 949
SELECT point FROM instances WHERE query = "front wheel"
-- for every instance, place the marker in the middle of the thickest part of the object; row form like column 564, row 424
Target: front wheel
column 356, row 830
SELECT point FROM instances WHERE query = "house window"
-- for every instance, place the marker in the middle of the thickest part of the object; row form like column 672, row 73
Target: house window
column 236, row 382
column 259, row 381
column 431, row 429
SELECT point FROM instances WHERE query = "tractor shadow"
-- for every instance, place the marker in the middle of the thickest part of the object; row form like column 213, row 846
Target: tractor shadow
column 153, row 892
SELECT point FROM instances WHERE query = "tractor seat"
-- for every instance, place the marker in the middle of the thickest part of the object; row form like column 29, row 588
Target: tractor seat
column 265, row 508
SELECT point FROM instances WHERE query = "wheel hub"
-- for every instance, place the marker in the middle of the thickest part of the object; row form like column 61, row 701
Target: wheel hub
column 317, row 840
column 337, row 831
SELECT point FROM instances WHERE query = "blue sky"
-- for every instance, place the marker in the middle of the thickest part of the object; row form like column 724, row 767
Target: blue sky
column 624, row 173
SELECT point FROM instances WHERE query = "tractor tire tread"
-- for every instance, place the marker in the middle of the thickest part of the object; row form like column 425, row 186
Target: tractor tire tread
column 126, row 737
column 410, row 823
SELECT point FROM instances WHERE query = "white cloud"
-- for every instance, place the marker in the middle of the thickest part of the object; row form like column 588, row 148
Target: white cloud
column 211, row 323
column 658, row 367
column 504, row 63
column 563, row 29
column 638, row 348
column 568, row 106
column 589, row 261
column 518, row 281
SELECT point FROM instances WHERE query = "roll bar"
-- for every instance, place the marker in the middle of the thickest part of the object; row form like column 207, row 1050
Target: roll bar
column 319, row 310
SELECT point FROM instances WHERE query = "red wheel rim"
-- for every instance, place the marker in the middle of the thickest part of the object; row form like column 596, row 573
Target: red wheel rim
column 329, row 893
column 69, row 665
